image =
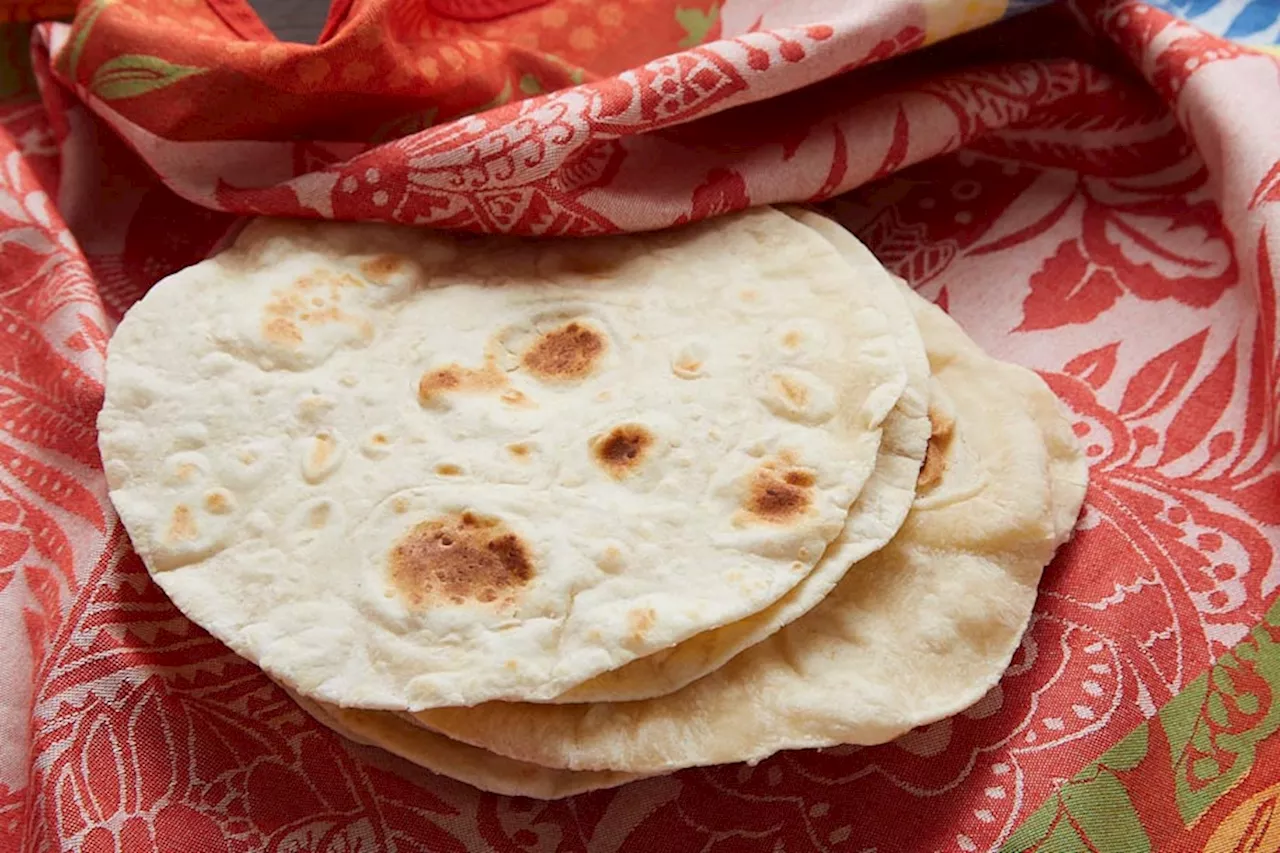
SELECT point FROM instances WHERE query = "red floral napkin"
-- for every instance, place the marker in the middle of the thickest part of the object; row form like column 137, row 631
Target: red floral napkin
column 1090, row 191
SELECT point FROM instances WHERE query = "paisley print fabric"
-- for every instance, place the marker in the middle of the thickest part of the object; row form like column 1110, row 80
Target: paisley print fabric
column 1090, row 190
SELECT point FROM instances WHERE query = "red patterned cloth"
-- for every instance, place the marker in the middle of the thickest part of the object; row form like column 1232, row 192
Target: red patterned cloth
column 1091, row 192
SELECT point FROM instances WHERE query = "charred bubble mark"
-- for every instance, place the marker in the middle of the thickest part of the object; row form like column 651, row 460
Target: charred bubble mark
column 779, row 492
column 457, row 558
column 935, row 454
column 623, row 450
column 567, row 353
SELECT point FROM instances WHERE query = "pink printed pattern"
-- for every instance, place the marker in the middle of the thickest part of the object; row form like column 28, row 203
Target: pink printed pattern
column 1112, row 226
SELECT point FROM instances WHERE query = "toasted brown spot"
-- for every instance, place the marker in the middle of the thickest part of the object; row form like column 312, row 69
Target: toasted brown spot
column 569, row 352
column 459, row 557
column 400, row 505
column 247, row 457
column 218, row 501
column 318, row 516
column 792, row 339
column 795, row 392
column 622, row 451
column 803, row 479
column 778, row 494
column 520, row 450
column 311, row 300
column 455, row 378
column 749, row 296
column 935, row 453
column 379, row 269
column 182, row 526
column 322, row 450
column 281, row 331
column 514, row 398
column 638, row 624
column 185, row 472
column 687, row 365
column 379, row 439
column 448, row 470
column 313, row 406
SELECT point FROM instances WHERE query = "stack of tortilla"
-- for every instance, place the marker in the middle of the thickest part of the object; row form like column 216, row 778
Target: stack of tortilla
column 549, row 516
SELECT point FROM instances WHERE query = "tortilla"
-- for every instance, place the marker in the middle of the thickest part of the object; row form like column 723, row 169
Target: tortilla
column 917, row 632
column 874, row 518
column 404, row 470
column 439, row 754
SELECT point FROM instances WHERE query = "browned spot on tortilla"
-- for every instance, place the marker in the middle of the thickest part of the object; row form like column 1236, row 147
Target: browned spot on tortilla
column 623, row 449
column 322, row 450
column 803, row 479
column 182, row 525
column 459, row 557
column 792, row 339
column 379, row 269
column 638, row 624
column 935, row 453
column 318, row 516
column 448, row 470
column 515, row 398
column 455, row 378
column 185, row 471
column 569, row 352
column 520, row 450
column 311, row 300
column 379, row 439
column 400, row 505
column 779, row 493
column 313, row 406
column 281, row 331
column 795, row 392
column 218, row 501
column 687, row 365
column 749, row 296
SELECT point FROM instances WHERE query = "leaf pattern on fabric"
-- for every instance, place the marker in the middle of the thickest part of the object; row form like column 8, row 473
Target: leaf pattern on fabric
column 134, row 74
column 1192, row 755
column 697, row 23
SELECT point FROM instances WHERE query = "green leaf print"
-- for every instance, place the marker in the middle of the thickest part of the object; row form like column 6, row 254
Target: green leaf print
column 1092, row 812
column 696, row 23
column 82, row 34
column 132, row 74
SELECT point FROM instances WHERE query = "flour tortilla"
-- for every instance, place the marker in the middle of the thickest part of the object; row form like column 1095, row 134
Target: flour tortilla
column 439, row 754
column 919, row 631
column 404, row 470
column 874, row 518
